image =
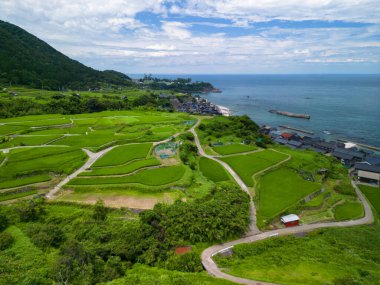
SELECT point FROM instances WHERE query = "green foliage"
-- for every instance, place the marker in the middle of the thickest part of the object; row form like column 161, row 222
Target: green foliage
column 328, row 256
column 345, row 189
column 145, row 275
column 6, row 240
column 100, row 211
column 31, row 210
column 188, row 262
column 223, row 215
column 212, row 170
column 241, row 127
column 45, row 235
column 4, row 221
column 25, row 59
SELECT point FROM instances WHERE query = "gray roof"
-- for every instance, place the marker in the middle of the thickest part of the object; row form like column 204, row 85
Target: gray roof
column 281, row 141
column 294, row 143
column 367, row 167
column 340, row 152
column 374, row 160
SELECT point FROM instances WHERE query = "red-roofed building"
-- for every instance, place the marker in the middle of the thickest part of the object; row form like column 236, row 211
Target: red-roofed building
column 287, row 136
column 182, row 249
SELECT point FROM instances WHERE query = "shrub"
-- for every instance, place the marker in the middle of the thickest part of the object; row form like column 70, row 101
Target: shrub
column 6, row 240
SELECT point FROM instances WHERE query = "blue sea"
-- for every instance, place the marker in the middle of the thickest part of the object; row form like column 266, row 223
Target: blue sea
column 347, row 106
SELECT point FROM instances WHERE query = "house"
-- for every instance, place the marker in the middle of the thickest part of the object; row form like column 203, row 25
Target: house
column 287, row 136
column 348, row 156
column 290, row 220
column 294, row 144
column 374, row 160
column 281, row 141
column 368, row 173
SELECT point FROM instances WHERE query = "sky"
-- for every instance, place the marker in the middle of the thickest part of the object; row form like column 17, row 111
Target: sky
column 209, row 36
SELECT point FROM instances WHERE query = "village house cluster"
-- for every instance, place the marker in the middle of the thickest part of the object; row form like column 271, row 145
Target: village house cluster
column 361, row 162
column 195, row 105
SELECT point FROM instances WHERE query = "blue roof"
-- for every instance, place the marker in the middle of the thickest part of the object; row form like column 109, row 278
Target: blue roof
column 374, row 160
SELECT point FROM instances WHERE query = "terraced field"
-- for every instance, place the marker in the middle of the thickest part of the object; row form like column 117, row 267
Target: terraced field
column 247, row 165
column 36, row 152
column 233, row 148
column 213, row 170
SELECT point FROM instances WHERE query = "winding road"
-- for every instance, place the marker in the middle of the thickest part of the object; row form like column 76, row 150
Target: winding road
column 254, row 233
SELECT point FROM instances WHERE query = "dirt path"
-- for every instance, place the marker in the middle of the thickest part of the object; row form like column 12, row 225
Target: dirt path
column 213, row 269
column 91, row 160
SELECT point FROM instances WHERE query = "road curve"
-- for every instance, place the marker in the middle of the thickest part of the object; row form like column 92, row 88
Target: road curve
column 253, row 229
column 212, row 268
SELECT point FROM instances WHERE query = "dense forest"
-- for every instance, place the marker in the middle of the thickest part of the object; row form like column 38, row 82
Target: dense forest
column 13, row 106
column 27, row 60
column 185, row 85
column 72, row 244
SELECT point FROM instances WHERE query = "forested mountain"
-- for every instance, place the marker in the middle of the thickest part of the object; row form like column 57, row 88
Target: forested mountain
column 27, row 60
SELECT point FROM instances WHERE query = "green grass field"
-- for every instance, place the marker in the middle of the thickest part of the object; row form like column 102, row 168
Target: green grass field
column 233, row 148
column 279, row 190
column 124, row 154
column 32, row 165
column 348, row 211
column 247, row 165
column 122, row 169
column 373, row 195
column 322, row 257
column 213, row 170
column 149, row 177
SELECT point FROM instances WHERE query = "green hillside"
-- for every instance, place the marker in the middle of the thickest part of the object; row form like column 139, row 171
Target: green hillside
column 27, row 60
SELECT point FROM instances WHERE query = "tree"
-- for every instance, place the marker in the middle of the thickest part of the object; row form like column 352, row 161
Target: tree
column 100, row 211
column 4, row 222
column 31, row 210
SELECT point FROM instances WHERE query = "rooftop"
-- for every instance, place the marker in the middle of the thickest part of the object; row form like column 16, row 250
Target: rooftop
column 367, row 167
column 290, row 218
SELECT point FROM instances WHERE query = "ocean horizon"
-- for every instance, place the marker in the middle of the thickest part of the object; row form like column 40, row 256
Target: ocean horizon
column 341, row 106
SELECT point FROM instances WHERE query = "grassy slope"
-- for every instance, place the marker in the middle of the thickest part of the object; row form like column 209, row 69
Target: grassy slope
column 212, row 170
column 233, row 148
column 373, row 195
column 316, row 259
column 25, row 166
column 124, row 154
column 247, row 165
column 149, row 177
column 281, row 189
column 22, row 261
column 144, row 275
column 348, row 211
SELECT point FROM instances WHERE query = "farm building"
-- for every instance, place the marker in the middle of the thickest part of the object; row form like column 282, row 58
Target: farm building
column 290, row 220
column 368, row 173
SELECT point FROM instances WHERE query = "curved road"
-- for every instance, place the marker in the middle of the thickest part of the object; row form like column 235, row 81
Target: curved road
column 255, row 234
column 253, row 229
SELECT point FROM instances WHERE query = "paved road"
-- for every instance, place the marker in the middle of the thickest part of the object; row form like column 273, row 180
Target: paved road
column 253, row 229
column 213, row 269
column 91, row 160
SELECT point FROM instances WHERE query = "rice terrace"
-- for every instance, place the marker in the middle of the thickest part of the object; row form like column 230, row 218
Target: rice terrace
column 115, row 179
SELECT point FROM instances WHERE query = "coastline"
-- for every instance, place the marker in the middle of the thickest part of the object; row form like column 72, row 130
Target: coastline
column 224, row 110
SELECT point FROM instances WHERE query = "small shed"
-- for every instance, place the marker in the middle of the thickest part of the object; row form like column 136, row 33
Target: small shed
column 290, row 220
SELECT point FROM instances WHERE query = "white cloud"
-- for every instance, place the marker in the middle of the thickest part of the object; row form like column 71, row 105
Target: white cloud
column 176, row 30
column 106, row 34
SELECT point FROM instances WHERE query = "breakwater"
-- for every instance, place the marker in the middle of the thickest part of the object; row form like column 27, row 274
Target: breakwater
column 289, row 114
column 296, row 129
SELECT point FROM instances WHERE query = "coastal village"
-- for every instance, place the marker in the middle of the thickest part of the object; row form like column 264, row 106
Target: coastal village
column 361, row 161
